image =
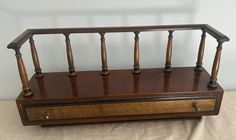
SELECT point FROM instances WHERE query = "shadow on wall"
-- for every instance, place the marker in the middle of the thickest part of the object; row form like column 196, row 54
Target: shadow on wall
column 44, row 14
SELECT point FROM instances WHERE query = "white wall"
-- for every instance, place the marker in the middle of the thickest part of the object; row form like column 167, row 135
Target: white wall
column 16, row 16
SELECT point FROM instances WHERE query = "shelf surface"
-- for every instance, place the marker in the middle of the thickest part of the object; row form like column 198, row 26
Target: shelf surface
column 120, row 84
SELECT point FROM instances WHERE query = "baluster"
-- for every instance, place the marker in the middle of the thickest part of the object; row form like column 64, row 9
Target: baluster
column 104, row 55
column 35, row 59
column 70, row 56
column 201, row 52
column 136, row 65
column 23, row 75
column 169, row 52
column 215, row 67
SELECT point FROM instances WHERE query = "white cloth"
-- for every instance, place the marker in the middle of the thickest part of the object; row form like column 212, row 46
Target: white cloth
column 221, row 127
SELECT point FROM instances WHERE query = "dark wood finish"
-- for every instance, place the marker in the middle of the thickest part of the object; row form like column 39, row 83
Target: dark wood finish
column 216, row 65
column 201, row 52
column 169, row 52
column 70, row 56
column 16, row 44
column 121, row 86
column 23, row 75
column 104, row 55
column 136, row 66
column 25, row 35
column 122, row 95
column 35, row 58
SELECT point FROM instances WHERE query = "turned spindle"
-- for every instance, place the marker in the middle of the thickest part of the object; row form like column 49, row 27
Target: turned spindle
column 23, row 75
column 136, row 65
column 201, row 52
column 70, row 56
column 104, row 55
column 169, row 52
column 215, row 68
column 38, row 72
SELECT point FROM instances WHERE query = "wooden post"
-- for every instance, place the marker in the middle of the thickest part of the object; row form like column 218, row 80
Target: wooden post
column 23, row 75
column 136, row 65
column 104, row 55
column 215, row 67
column 70, row 56
column 38, row 73
column 201, row 52
column 169, row 52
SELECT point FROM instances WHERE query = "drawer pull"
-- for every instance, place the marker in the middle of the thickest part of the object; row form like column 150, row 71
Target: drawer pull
column 196, row 107
column 47, row 116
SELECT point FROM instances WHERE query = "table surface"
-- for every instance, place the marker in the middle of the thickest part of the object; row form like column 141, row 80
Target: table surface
column 221, row 127
column 152, row 82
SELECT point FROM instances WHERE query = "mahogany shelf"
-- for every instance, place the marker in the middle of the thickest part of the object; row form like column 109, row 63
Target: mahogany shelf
column 118, row 95
column 90, row 85
column 120, row 86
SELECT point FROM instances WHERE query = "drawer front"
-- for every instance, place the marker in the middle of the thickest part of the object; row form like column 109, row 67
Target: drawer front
column 118, row 109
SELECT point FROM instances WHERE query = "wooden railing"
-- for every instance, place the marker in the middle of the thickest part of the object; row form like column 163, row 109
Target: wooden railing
column 28, row 35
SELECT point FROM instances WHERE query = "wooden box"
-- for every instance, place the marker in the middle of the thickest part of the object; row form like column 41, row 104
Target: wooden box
column 118, row 95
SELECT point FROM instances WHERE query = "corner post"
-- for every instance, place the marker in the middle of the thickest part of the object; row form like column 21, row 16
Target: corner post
column 215, row 67
column 136, row 65
column 23, row 74
column 35, row 58
column 201, row 52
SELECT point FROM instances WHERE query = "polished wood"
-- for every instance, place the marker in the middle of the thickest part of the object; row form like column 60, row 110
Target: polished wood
column 169, row 52
column 121, row 95
column 136, row 66
column 104, row 55
column 23, row 75
column 120, row 86
column 16, row 43
column 70, row 56
column 35, row 59
column 118, row 109
column 215, row 67
column 201, row 52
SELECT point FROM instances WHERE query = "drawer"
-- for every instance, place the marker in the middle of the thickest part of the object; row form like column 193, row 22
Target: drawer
column 60, row 112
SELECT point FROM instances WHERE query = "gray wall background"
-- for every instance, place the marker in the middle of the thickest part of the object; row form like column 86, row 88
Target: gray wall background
column 17, row 16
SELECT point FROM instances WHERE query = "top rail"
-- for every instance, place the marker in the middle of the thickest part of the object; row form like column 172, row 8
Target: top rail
column 16, row 44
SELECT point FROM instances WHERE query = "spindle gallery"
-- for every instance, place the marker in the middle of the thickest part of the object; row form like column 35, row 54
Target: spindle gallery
column 118, row 95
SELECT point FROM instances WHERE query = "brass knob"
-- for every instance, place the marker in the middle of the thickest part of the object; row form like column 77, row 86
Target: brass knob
column 196, row 107
column 47, row 115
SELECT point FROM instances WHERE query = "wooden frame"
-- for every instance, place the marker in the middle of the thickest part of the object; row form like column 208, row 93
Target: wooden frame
column 28, row 91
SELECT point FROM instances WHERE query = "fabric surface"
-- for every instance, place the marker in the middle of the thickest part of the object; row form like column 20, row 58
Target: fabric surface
column 221, row 127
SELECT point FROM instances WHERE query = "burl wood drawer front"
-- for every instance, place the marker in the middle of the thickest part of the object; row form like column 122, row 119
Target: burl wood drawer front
column 118, row 109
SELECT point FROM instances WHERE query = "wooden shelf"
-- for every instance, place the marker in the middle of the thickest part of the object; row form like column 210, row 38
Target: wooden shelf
column 118, row 95
column 119, row 84
column 121, row 95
